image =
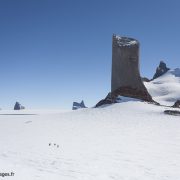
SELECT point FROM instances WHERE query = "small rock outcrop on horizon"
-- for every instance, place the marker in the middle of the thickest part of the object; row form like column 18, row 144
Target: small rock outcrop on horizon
column 18, row 106
column 161, row 69
column 176, row 104
column 77, row 105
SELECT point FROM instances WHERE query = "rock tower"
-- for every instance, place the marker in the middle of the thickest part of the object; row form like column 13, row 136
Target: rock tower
column 126, row 79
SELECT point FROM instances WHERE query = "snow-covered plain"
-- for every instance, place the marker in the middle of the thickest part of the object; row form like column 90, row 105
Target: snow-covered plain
column 131, row 140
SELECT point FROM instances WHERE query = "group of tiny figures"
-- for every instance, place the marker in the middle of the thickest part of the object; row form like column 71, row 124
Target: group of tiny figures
column 51, row 144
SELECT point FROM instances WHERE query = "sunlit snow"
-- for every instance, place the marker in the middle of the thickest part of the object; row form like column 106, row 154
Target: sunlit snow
column 131, row 140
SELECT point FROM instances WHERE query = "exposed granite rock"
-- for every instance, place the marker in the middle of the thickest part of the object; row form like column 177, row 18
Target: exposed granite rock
column 162, row 69
column 77, row 105
column 133, row 93
column 172, row 112
column 125, row 64
column 176, row 104
column 127, row 92
column 108, row 100
column 18, row 106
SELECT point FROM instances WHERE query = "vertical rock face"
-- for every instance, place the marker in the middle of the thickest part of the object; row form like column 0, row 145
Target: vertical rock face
column 126, row 80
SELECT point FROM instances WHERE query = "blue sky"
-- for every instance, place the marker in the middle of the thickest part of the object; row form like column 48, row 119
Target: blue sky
column 54, row 52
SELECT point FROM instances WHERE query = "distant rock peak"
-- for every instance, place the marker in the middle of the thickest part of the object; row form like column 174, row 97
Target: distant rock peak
column 77, row 105
column 161, row 69
column 18, row 106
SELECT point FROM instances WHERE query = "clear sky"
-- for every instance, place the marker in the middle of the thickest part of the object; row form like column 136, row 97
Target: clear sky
column 54, row 52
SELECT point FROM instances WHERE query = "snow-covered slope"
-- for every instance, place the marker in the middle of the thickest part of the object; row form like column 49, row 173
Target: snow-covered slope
column 126, row 141
column 166, row 88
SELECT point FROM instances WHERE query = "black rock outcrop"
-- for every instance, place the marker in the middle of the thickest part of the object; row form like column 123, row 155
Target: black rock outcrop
column 77, row 105
column 172, row 112
column 176, row 104
column 161, row 69
column 18, row 106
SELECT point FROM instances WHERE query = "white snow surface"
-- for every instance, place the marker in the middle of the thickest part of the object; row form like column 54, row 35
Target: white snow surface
column 131, row 140
column 166, row 88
